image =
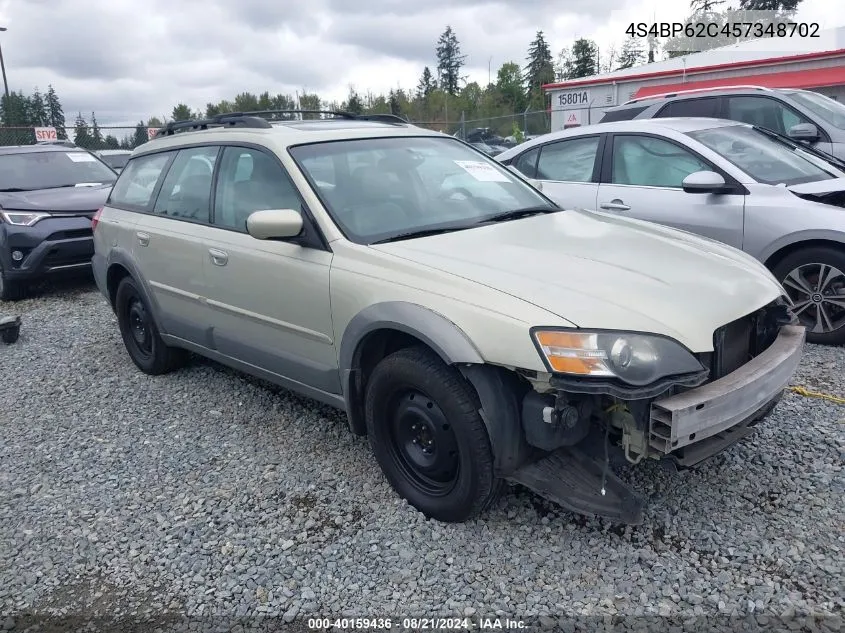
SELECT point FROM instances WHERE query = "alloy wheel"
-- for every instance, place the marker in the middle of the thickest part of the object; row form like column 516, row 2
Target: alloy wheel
column 818, row 293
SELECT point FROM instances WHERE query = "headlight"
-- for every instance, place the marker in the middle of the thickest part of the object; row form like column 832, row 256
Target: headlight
column 637, row 359
column 23, row 218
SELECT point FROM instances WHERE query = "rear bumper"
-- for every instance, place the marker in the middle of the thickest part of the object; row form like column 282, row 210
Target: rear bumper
column 707, row 418
column 54, row 245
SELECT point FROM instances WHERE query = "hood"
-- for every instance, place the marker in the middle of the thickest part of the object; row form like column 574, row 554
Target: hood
column 602, row 271
column 67, row 199
column 833, row 185
column 831, row 192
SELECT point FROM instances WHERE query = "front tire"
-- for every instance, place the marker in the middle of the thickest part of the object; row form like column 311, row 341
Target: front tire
column 428, row 436
column 814, row 278
column 10, row 289
column 140, row 333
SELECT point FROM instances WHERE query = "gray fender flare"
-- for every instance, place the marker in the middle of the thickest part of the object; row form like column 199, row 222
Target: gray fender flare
column 435, row 330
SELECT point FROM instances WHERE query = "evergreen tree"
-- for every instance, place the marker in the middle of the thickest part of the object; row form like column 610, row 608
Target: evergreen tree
column 111, row 142
column 140, row 136
column 704, row 6
column 353, row 103
column 632, row 54
column 38, row 114
column 449, row 61
column 584, row 61
column 426, row 85
column 96, row 134
column 15, row 110
column 786, row 6
column 310, row 101
column 181, row 112
column 394, row 103
column 509, row 86
column 540, row 69
column 55, row 114
column 82, row 135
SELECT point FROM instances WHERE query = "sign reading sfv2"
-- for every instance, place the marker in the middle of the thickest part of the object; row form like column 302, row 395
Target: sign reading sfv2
column 45, row 134
column 574, row 99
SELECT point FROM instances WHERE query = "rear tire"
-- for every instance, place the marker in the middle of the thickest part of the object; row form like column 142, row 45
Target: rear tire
column 428, row 436
column 814, row 278
column 140, row 333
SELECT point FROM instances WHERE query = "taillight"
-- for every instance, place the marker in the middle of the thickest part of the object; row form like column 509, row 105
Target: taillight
column 96, row 218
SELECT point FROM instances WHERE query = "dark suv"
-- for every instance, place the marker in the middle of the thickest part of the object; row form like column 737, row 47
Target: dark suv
column 48, row 195
column 802, row 115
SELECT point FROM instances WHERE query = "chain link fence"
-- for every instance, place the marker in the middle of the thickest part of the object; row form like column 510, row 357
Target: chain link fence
column 513, row 126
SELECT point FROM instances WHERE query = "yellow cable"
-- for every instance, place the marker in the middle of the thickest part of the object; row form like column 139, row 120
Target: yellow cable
column 802, row 391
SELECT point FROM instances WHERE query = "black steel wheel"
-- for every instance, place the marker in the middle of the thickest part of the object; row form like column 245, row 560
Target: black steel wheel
column 140, row 333
column 428, row 436
column 814, row 278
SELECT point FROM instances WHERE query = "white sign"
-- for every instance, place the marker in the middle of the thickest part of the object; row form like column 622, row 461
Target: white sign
column 573, row 99
column 45, row 134
column 151, row 132
column 482, row 171
column 572, row 119
column 81, row 157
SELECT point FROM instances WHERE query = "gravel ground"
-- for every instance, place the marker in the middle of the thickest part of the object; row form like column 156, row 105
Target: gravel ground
column 205, row 493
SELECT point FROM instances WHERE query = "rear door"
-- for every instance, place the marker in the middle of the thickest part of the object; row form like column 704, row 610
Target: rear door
column 269, row 301
column 568, row 169
column 642, row 176
column 166, row 246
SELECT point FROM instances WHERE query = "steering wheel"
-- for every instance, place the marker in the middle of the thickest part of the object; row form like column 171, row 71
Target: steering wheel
column 448, row 193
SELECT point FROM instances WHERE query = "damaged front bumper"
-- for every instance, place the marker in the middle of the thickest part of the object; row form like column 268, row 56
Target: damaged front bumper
column 687, row 428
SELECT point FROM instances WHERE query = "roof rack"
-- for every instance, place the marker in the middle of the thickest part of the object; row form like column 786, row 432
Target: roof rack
column 263, row 118
column 675, row 93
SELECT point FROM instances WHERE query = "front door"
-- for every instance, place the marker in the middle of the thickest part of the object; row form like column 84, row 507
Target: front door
column 644, row 182
column 269, row 300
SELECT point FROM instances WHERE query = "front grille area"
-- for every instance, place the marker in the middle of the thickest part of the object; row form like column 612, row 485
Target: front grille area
column 738, row 342
column 69, row 235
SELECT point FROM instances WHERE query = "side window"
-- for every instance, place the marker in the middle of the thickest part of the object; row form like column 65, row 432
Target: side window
column 708, row 107
column 652, row 162
column 571, row 160
column 765, row 112
column 186, row 192
column 138, row 180
column 527, row 163
column 250, row 180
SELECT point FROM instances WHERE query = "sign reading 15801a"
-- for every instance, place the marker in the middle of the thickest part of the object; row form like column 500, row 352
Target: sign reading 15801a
column 576, row 97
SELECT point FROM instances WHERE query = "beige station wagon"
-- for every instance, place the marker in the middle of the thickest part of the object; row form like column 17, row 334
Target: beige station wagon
column 476, row 331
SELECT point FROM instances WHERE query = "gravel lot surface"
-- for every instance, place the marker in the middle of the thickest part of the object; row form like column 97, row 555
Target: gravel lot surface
column 207, row 493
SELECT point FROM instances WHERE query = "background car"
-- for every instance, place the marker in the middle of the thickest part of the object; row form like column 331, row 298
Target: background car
column 114, row 158
column 729, row 181
column 48, row 195
column 803, row 115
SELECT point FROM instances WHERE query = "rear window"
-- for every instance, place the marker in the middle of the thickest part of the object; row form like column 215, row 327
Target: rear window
column 29, row 171
column 625, row 114
column 115, row 161
column 138, row 180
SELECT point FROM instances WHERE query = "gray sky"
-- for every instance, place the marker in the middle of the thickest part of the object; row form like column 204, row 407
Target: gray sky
column 127, row 60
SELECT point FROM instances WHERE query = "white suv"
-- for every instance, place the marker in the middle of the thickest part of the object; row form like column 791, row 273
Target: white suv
column 475, row 333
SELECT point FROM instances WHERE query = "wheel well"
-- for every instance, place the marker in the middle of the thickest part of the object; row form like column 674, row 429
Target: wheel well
column 370, row 350
column 113, row 278
column 779, row 255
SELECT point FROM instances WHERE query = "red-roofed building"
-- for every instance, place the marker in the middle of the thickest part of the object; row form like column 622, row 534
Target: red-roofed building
column 811, row 63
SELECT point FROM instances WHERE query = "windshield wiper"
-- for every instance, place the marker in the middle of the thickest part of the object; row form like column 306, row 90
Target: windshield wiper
column 409, row 235
column 517, row 214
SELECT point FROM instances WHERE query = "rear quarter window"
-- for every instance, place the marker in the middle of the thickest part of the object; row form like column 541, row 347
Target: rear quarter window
column 137, row 182
column 625, row 114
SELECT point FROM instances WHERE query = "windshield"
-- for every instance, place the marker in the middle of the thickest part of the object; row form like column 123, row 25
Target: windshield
column 47, row 170
column 377, row 189
column 822, row 159
column 761, row 157
column 115, row 161
column 823, row 107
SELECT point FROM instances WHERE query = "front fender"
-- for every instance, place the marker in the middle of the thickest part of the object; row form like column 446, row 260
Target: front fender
column 801, row 236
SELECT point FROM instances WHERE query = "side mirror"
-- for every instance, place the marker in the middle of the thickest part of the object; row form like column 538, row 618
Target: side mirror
column 534, row 183
column 705, row 182
column 804, row 132
column 274, row 224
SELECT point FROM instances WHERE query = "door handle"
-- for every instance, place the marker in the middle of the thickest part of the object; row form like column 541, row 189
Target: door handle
column 143, row 238
column 615, row 205
column 218, row 257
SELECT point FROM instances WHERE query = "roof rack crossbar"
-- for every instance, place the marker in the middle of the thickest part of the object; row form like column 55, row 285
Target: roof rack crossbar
column 674, row 93
column 262, row 119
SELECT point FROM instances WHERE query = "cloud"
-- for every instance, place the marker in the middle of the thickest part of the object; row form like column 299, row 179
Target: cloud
column 127, row 60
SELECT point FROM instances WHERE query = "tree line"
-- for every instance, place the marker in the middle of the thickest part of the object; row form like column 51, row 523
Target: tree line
column 442, row 97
